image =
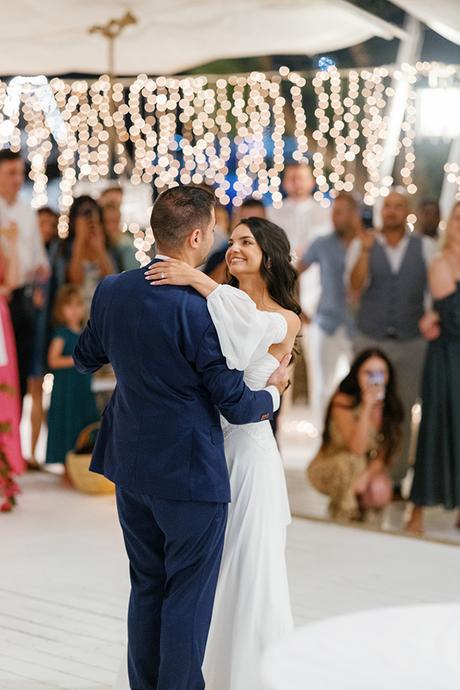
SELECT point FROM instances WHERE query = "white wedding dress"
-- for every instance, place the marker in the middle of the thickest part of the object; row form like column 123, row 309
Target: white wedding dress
column 252, row 608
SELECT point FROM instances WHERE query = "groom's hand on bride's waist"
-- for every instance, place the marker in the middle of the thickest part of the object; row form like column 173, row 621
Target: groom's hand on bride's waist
column 280, row 377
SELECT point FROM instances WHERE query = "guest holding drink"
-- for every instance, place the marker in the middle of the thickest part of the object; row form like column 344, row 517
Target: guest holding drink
column 11, row 461
column 437, row 464
column 362, row 434
column 72, row 406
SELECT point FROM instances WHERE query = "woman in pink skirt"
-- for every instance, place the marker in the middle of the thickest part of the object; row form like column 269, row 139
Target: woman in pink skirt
column 11, row 460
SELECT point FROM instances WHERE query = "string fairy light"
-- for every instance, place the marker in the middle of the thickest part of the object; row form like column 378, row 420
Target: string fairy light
column 279, row 126
column 223, row 143
column 321, row 133
column 408, row 132
column 300, row 131
column 351, row 130
column 374, row 127
column 336, row 132
column 38, row 144
column 166, row 130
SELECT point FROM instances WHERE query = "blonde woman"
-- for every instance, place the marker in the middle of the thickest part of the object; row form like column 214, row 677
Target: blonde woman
column 437, row 465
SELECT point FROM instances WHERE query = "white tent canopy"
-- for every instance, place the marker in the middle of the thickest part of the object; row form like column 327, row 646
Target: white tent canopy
column 443, row 16
column 51, row 37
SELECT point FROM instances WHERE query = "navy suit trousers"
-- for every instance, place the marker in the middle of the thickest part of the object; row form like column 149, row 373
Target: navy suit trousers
column 174, row 549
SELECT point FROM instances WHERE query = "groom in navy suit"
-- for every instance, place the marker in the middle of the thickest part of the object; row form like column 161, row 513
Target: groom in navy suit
column 161, row 443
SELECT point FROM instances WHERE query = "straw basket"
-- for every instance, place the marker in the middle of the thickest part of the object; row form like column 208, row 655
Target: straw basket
column 78, row 467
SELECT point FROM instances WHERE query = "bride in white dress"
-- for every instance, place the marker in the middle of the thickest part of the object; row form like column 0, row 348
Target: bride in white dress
column 257, row 325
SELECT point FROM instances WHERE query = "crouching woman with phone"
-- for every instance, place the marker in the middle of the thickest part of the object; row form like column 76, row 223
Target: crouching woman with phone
column 362, row 434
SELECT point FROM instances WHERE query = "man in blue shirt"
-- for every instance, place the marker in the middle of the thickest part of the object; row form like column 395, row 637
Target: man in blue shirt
column 329, row 347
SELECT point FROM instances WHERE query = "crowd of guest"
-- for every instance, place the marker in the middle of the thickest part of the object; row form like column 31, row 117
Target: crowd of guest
column 46, row 288
column 369, row 321
column 380, row 312
column 376, row 292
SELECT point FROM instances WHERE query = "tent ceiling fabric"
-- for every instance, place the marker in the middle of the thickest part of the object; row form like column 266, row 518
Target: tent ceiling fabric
column 443, row 16
column 52, row 37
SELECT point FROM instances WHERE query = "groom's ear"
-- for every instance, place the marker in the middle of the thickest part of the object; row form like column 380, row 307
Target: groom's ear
column 195, row 238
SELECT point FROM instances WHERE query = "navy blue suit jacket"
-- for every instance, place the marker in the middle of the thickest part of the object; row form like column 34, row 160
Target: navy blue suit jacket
column 160, row 432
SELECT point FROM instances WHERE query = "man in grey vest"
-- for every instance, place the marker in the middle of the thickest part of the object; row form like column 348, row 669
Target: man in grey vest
column 388, row 270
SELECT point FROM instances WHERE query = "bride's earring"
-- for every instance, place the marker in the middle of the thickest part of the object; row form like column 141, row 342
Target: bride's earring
column 268, row 264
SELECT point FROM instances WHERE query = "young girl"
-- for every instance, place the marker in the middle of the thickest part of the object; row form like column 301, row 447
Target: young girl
column 72, row 402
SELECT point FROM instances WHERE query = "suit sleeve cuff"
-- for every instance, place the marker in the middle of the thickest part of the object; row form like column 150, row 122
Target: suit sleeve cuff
column 275, row 396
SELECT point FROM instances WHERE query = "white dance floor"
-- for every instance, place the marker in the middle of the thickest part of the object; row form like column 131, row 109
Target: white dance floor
column 63, row 583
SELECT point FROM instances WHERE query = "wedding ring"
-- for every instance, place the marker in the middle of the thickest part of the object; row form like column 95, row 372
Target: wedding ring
column 163, row 276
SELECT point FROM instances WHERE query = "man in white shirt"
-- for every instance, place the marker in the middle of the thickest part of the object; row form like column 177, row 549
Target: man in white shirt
column 301, row 216
column 32, row 259
column 388, row 270
column 304, row 220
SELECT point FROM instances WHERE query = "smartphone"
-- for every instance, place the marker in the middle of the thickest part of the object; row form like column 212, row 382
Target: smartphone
column 367, row 217
column 377, row 378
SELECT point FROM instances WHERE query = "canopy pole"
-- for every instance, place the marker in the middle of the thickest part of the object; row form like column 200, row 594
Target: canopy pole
column 408, row 53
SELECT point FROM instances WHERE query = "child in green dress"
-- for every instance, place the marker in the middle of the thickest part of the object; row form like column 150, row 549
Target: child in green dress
column 73, row 405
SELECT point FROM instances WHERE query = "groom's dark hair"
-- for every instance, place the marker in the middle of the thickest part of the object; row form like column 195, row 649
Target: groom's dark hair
column 178, row 211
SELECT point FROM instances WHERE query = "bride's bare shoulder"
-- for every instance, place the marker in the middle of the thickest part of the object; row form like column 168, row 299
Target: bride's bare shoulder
column 292, row 320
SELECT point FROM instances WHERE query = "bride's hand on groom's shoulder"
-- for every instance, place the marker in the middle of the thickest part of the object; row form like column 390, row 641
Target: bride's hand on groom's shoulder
column 280, row 377
column 175, row 272
column 171, row 272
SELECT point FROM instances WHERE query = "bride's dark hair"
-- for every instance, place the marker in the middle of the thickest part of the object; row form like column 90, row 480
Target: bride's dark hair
column 276, row 269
